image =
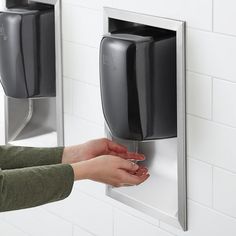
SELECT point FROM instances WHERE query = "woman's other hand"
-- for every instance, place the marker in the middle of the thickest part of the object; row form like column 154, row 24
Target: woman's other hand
column 94, row 148
column 112, row 170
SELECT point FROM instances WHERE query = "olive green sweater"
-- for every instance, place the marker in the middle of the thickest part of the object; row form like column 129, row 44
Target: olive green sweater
column 32, row 176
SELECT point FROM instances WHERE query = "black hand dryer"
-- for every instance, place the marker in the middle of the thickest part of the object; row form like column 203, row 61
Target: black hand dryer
column 27, row 51
column 138, row 83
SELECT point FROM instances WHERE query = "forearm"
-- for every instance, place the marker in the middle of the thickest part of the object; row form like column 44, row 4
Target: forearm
column 12, row 157
column 34, row 186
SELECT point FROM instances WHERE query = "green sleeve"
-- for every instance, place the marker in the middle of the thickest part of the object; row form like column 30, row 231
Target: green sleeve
column 12, row 157
column 34, row 186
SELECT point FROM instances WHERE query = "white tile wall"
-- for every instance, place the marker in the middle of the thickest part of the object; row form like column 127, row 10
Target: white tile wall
column 211, row 142
column 198, row 14
column 125, row 224
column 38, row 222
column 93, row 4
column 199, row 95
column 68, row 95
column 211, row 54
column 211, row 57
column 204, row 221
column 82, row 25
column 80, row 232
column 224, row 102
column 224, row 16
column 79, row 130
column 225, row 191
column 76, row 67
column 85, row 211
column 2, row 126
column 200, row 182
column 87, row 102
column 9, row 230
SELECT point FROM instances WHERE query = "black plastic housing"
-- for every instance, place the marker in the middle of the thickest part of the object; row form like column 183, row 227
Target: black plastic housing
column 138, row 83
column 27, row 51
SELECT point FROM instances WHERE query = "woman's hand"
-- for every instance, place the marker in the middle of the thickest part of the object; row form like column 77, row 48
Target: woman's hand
column 111, row 170
column 96, row 148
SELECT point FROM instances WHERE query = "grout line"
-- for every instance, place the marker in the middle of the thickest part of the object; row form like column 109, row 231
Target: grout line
column 86, row 120
column 169, row 231
column 80, row 44
column 198, row 116
column 195, row 159
column 212, row 32
column 113, row 221
column 213, row 121
column 15, row 226
column 212, row 76
column 209, row 75
column 212, row 98
column 212, row 188
column 213, row 15
column 81, row 81
column 68, row 221
column 72, row 3
column 89, row 121
column 212, row 164
column 213, row 209
column 118, row 208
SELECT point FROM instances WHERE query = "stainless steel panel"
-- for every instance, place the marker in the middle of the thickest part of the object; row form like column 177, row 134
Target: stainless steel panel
column 164, row 194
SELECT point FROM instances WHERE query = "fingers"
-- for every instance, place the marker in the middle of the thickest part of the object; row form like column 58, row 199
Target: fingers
column 129, row 179
column 115, row 147
column 121, row 151
column 130, row 156
column 127, row 165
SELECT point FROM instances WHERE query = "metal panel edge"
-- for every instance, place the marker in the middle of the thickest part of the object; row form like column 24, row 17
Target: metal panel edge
column 179, row 27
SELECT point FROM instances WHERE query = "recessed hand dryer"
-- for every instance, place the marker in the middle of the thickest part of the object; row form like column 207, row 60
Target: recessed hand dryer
column 138, row 83
column 27, row 51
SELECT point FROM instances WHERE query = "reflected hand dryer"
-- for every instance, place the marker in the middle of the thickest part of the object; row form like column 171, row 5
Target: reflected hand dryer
column 27, row 51
column 138, row 83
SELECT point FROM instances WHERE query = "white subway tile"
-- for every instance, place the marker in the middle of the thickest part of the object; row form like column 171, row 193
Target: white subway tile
column 204, row 221
column 80, row 232
column 93, row 4
column 92, row 188
column 86, row 212
column 81, row 62
column 132, row 211
column 9, row 230
column 187, row 10
column 82, row 25
column 2, row 134
column 225, row 16
column 2, row 113
column 212, row 142
column 125, row 224
column 67, row 95
column 87, row 102
column 199, row 95
column 200, row 182
column 38, row 222
column 224, row 102
column 79, row 130
column 212, row 54
column 225, row 191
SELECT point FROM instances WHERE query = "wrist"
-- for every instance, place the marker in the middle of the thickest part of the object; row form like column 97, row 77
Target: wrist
column 70, row 154
column 80, row 171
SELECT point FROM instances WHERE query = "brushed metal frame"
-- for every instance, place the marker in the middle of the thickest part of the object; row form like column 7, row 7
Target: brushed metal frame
column 179, row 28
column 59, row 74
